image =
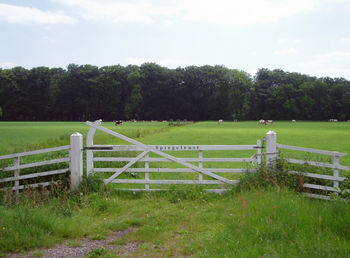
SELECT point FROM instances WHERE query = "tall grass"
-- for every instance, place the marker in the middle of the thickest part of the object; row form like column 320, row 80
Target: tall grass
column 283, row 224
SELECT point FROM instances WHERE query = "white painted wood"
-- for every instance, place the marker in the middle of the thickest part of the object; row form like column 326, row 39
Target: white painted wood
column 90, row 153
column 336, row 171
column 157, row 190
column 200, row 164
column 258, row 153
column 325, row 152
column 76, row 161
column 16, row 173
column 218, row 191
column 317, row 196
column 121, row 159
column 37, row 164
column 28, row 153
column 140, row 190
column 164, row 181
column 313, row 163
column 165, row 155
column 327, row 177
column 29, row 186
column 271, row 148
column 321, row 187
column 178, row 170
column 33, row 175
column 177, row 147
column 121, row 170
column 146, row 172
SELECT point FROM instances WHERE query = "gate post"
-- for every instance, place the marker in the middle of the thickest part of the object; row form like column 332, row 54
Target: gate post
column 271, row 148
column 76, row 160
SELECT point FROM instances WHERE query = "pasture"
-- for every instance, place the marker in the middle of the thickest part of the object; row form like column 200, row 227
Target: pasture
column 24, row 136
column 261, row 222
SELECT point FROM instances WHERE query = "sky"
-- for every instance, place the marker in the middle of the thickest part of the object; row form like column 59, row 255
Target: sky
column 305, row 36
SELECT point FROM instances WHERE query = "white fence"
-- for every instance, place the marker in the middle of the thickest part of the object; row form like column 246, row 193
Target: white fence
column 273, row 148
column 271, row 153
column 149, row 164
column 73, row 160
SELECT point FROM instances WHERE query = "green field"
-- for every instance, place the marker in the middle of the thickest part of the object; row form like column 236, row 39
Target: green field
column 21, row 136
column 270, row 222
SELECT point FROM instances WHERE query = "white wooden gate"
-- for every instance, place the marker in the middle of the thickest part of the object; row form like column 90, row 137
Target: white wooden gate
column 160, row 150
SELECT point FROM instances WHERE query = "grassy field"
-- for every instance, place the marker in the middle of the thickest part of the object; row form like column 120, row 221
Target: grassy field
column 266, row 223
column 21, row 136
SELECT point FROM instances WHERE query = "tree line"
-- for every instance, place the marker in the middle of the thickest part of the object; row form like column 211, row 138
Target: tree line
column 153, row 92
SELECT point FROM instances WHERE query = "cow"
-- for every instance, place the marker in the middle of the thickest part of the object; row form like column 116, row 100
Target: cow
column 293, row 121
column 220, row 121
column 262, row 122
column 118, row 122
column 270, row 121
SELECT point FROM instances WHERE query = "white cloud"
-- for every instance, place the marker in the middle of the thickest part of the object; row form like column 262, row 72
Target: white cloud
column 119, row 11
column 345, row 40
column 48, row 40
column 328, row 58
column 21, row 14
column 287, row 51
column 335, row 64
column 243, row 12
column 234, row 12
column 6, row 65
column 289, row 41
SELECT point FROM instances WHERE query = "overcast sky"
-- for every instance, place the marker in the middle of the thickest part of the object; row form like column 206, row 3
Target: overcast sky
column 307, row 36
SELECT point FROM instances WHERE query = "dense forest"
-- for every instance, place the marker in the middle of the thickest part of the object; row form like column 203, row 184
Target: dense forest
column 153, row 92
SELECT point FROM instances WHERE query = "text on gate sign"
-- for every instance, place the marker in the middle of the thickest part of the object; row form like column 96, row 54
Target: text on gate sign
column 176, row 147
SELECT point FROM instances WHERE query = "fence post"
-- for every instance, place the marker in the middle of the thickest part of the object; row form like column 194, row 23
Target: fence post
column 76, row 160
column 336, row 170
column 258, row 154
column 271, row 148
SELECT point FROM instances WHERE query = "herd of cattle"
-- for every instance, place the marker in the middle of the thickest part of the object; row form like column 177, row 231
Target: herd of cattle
column 220, row 121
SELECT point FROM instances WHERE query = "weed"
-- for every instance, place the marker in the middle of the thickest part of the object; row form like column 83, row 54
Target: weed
column 119, row 241
column 74, row 243
column 92, row 184
column 100, row 252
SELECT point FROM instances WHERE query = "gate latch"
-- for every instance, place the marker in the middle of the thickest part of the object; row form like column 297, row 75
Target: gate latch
column 98, row 148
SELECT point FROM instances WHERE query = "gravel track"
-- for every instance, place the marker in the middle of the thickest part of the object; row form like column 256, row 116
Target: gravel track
column 87, row 245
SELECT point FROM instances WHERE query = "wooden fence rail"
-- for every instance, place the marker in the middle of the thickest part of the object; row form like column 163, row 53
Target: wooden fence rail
column 73, row 160
column 336, row 167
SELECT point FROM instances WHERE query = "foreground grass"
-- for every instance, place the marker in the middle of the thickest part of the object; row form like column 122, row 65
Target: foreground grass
column 248, row 224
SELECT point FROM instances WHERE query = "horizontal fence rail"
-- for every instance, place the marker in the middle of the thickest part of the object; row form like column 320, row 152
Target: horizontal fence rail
column 325, row 152
column 172, row 147
column 29, row 153
column 17, row 167
column 336, row 168
column 176, row 170
column 183, row 159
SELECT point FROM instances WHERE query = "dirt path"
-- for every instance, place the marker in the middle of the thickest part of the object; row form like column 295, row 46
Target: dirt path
column 86, row 246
